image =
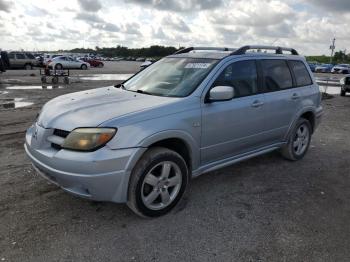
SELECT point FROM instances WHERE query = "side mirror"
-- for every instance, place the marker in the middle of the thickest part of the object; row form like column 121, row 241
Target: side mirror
column 221, row 93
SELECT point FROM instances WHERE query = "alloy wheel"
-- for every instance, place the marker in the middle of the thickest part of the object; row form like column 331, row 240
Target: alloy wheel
column 161, row 185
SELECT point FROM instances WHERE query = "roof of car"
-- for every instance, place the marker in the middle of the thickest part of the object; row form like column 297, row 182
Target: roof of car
column 222, row 54
column 248, row 50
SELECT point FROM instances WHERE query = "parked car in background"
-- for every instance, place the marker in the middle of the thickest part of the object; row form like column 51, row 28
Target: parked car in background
column 4, row 61
column 93, row 62
column 344, row 85
column 313, row 65
column 22, row 60
column 341, row 69
column 145, row 64
column 142, row 141
column 48, row 58
column 67, row 62
column 324, row 68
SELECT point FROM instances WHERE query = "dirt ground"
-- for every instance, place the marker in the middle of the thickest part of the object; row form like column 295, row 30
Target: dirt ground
column 263, row 209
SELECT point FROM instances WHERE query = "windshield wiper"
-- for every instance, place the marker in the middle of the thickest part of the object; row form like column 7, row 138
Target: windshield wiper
column 120, row 86
column 143, row 92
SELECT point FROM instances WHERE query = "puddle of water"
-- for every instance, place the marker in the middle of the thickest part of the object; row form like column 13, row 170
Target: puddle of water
column 33, row 87
column 332, row 90
column 14, row 103
column 106, row 77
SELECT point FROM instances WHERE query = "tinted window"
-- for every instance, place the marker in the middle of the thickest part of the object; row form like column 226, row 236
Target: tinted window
column 11, row 55
column 301, row 74
column 276, row 75
column 30, row 56
column 20, row 56
column 240, row 75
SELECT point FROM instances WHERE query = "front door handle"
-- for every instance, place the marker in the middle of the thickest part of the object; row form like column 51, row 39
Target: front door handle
column 295, row 96
column 257, row 103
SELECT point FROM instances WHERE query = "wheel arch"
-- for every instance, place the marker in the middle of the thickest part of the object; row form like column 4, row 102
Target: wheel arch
column 178, row 141
column 306, row 113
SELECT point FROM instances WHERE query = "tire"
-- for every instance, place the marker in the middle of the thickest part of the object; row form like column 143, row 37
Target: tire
column 342, row 92
column 66, row 80
column 83, row 67
column 43, row 79
column 58, row 66
column 28, row 67
column 161, row 195
column 54, row 80
column 100, row 65
column 297, row 146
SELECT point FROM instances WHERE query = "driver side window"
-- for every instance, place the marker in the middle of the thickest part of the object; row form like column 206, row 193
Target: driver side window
column 242, row 76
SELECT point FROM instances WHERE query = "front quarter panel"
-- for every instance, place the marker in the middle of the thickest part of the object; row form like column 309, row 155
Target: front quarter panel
column 182, row 122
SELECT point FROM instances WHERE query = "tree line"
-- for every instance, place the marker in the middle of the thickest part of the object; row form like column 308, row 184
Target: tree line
column 123, row 51
column 158, row 51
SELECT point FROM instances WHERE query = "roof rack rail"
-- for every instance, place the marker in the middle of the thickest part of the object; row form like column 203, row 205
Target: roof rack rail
column 192, row 48
column 279, row 50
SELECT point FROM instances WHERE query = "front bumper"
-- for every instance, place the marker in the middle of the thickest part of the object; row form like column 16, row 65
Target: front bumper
column 102, row 175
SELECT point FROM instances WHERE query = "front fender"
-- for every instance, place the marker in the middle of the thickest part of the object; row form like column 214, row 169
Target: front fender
column 190, row 142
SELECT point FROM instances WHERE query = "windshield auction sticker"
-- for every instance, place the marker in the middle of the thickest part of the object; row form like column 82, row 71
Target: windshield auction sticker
column 197, row 65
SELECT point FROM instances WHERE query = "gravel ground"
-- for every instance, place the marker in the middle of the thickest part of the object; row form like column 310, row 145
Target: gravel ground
column 263, row 209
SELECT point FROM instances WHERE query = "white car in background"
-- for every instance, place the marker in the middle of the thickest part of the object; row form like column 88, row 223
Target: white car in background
column 67, row 62
column 341, row 69
column 48, row 58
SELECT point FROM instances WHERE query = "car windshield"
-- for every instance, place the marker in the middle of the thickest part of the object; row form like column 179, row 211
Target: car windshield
column 174, row 77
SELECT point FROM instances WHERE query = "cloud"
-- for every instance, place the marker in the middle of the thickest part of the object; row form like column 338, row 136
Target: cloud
column 90, row 5
column 4, row 6
column 179, row 5
column 90, row 18
column 332, row 5
column 132, row 29
column 175, row 23
column 107, row 27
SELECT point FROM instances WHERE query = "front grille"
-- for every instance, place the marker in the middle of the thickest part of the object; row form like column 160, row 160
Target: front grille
column 60, row 133
column 55, row 146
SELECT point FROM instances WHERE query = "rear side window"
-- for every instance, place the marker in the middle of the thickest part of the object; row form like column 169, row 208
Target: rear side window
column 20, row 56
column 11, row 55
column 30, row 56
column 302, row 76
column 242, row 76
column 276, row 75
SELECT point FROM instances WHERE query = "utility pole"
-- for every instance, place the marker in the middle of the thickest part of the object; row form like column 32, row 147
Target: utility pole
column 332, row 47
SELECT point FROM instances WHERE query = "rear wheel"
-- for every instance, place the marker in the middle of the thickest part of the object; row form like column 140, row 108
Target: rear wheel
column 100, row 65
column 157, row 182
column 83, row 66
column 342, row 92
column 28, row 67
column 58, row 66
column 298, row 142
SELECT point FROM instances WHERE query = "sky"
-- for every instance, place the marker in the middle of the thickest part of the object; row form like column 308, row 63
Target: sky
column 306, row 25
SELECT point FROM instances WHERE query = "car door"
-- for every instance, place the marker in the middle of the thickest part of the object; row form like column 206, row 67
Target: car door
column 280, row 98
column 234, row 127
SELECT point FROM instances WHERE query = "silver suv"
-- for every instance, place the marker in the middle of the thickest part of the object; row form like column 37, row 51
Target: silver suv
column 198, row 110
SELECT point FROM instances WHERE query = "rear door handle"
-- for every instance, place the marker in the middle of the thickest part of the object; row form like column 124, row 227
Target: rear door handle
column 295, row 96
column 257, row 103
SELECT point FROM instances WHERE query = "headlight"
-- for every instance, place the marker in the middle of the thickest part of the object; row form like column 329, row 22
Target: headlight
column 88, row 139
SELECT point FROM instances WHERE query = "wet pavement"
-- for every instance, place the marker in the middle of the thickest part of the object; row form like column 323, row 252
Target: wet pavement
column 105, row 77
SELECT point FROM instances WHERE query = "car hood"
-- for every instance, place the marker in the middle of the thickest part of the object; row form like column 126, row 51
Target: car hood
column 93, row 107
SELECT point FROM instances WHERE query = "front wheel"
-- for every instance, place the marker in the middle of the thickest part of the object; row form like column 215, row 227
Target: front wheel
column 157, row 182
column 342, row 92
column 84, row 67
column 298, row 142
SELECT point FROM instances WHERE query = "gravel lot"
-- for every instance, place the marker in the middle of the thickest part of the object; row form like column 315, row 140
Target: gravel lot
column 263, row 209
